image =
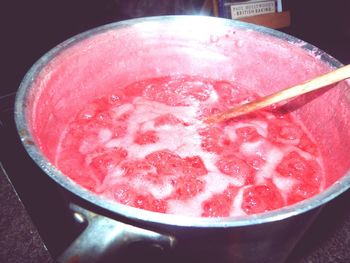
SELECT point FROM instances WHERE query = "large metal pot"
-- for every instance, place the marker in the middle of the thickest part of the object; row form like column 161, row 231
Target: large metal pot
column 95, row 62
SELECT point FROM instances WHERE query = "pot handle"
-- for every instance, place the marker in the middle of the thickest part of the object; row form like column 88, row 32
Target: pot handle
column 104, row 238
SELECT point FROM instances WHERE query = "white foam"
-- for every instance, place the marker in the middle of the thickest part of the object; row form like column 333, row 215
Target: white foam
column 236, row 209
column 115, row 175
column 118, row 111
column 230, row 132
column 159, row 191
column 88, row 144
column 218, row 182
column 146, row 110
column 252, row 148
column 104, row 135
column 117, row 172
column 305, row 155
column 260, row 126
column 284, row 184
column 192, row 207
column 182, row 140
column 213, row 96
column 215, row 183
column 272, row 157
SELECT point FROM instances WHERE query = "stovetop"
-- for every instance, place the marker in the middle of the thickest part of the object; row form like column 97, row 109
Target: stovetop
column 35, row 224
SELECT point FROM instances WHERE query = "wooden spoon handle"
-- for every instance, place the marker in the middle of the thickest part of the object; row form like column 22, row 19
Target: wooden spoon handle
column 288, row 93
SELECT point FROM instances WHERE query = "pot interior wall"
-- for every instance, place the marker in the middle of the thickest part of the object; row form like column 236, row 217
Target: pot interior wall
column 104, row 62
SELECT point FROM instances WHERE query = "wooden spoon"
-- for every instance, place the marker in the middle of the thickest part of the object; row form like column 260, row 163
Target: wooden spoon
column 288, row 93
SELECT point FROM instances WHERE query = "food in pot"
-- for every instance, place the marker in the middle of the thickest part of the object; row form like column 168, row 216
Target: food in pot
column 146, row 146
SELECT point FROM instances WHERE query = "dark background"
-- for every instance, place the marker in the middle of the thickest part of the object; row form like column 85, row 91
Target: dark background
column 29, row 28
column 32, row 27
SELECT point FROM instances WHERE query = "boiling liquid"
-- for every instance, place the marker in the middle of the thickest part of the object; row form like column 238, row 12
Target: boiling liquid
column 146, row 146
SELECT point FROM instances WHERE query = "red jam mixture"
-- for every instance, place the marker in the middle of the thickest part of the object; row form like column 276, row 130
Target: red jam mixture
column 145, row 146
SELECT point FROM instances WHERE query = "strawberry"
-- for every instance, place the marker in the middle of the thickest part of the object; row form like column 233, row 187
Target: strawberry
column 147, row 137
column 220, row 204
column 261, row 198
column 105, row 160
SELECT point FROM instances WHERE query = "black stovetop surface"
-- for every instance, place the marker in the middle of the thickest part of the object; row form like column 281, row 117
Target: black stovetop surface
column 35, row 225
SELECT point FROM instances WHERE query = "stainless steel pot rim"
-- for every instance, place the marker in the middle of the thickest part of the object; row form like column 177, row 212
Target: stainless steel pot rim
column 147, row 216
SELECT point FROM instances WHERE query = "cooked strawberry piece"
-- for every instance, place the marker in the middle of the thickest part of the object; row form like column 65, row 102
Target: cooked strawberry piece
column 220, row 205
column 196, row 89
column 194, row 166
column 261, row 198
column 236, row 167
column 306, row 186
column 303, row 190
column 124, row 193
column 119, row 129
column 232, row 95
column 147, row 137
column 247, row 134
column 187, row 187
column 212, row 139
column 167, row 94
column 283, row 129
column 307, row 145
column 166, row 162
column 166, row 119
column 255, row 161
column 148, row 202
column 105, row 160
column 295, row 166
column 134, row 168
